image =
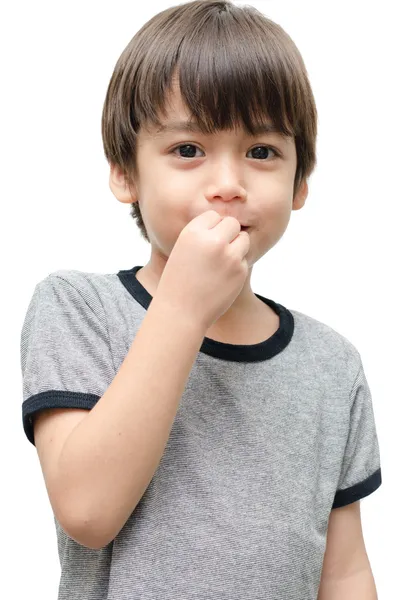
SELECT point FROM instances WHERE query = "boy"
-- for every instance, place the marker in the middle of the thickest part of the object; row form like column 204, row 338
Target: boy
column 197, row 440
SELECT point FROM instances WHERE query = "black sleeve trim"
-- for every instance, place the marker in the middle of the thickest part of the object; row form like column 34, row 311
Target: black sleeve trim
column 358, row 491
column 53, row 399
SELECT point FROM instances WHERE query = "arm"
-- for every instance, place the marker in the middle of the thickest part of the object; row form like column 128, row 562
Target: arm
column 360, row 586
column 346, row 573
column 110, row 457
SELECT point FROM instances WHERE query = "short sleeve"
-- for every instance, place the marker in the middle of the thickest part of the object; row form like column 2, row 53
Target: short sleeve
column 361, row 469
column 66, row 358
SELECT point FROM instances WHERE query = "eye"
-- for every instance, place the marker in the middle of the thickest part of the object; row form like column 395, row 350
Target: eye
column 267, row 148
column 190, row 151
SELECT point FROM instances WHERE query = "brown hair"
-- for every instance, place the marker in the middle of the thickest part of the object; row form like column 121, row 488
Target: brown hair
column 234, row 65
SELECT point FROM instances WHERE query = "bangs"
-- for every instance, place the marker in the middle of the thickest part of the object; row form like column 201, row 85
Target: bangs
column 229, row 75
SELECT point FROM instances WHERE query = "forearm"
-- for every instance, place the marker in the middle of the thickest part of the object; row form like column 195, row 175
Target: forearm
column 110, row 458
column 359, row 586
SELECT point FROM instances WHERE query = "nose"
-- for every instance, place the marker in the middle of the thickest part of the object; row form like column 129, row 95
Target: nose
column 226, row 185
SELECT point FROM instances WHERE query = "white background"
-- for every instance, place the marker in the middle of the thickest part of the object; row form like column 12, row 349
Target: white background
column 336, row 262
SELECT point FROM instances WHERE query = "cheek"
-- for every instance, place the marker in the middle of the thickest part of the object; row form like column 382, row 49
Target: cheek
column 277, row 207
column 165, row 214
column 172, row 201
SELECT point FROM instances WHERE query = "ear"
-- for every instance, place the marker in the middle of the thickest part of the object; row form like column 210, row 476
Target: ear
column 119, row 186
column 300, row 196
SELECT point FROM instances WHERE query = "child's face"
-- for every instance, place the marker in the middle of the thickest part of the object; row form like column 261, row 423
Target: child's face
column 222, row 172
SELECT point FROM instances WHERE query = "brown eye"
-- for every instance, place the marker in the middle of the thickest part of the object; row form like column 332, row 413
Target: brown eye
column 189, row 152
column 263, row 154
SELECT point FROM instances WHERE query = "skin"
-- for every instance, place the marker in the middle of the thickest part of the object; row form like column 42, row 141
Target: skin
column 224, row 173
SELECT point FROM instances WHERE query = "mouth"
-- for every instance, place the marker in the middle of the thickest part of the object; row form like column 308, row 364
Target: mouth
column 244, row 227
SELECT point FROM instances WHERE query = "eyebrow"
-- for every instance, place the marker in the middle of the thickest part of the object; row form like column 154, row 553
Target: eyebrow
column 193, row 127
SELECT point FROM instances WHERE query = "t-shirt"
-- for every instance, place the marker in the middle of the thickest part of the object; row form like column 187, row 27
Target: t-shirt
column 267, row 439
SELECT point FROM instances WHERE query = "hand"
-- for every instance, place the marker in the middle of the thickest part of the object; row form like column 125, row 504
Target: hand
column 207, row 268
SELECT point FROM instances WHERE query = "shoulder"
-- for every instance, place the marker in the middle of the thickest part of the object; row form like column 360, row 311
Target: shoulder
column 65, row 297
column 327, row 346
column 86, row 288
column 80, row 280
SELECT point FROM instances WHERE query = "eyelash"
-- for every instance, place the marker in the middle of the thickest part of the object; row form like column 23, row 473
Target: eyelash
column 276, row 152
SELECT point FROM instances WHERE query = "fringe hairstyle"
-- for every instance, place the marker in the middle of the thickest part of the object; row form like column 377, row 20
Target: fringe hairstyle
column 233, row 64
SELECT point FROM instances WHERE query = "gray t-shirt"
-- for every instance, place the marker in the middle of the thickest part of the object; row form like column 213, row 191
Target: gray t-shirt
column 267, row 440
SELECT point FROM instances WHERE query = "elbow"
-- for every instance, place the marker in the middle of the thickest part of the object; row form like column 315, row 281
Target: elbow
column 85, row 534
column 85, row 531
column 87, row 524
